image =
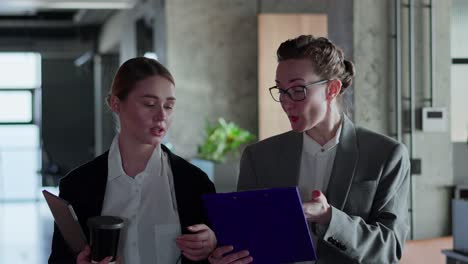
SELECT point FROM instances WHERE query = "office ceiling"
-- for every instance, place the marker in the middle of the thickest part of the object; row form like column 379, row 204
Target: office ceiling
column 31, row 6
column 56, row 18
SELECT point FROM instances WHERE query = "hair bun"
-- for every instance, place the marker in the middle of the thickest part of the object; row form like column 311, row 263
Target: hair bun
column 349, row 74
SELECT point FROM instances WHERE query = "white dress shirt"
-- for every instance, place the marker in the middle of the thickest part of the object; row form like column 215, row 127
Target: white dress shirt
column 316, row 167
column 316, row 164
column 148, row 205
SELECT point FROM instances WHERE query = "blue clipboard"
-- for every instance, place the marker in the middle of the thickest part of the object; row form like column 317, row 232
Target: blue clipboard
column 270, row 223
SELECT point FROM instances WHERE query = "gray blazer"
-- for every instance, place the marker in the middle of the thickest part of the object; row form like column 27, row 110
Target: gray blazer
column 368, row 191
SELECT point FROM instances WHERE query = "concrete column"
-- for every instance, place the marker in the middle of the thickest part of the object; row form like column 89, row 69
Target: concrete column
column 212, row 52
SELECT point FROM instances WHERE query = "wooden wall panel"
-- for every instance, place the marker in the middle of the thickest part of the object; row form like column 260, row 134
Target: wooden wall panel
column 273, row 29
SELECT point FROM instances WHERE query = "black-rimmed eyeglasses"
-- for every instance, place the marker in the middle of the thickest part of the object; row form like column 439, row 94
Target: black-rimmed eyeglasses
column 295, row 93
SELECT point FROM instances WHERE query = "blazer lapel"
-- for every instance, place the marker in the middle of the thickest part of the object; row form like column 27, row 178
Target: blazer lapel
column 99, row 187
column 179, row 188
column 182, row 191
column 344, row 166
column 290, row 160
column 93, row 179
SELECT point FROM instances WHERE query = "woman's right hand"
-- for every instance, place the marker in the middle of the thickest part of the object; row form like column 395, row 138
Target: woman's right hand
column 85, row 257
column 218, row 256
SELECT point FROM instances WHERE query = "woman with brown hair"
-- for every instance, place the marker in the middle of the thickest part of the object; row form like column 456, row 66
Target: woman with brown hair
column 353, row 182
column 156, row 192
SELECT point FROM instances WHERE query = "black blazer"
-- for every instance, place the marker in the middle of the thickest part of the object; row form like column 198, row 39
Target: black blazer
column 85, row 186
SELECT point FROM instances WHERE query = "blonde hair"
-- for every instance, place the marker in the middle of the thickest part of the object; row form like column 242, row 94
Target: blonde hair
column 133, row 71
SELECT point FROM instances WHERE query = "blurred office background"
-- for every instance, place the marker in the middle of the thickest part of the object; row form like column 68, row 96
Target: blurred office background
column 58, row 57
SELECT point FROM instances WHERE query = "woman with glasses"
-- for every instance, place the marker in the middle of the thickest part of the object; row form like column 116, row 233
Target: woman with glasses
column 353, row 182
column 156, row 192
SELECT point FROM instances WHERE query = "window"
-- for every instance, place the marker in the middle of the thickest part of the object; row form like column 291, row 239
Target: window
column 19, row 135
column 459, row 89
column 20, row 70
column 459, row 106
column 19, row 78
column 15, row 106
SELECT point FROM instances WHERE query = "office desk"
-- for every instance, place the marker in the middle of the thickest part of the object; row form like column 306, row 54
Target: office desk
column 453, row 257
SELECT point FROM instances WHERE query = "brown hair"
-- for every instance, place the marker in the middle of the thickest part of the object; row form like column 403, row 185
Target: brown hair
column 327, row 59
column 133, row 71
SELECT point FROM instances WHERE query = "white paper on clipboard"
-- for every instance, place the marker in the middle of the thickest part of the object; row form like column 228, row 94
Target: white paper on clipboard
column 67, row 222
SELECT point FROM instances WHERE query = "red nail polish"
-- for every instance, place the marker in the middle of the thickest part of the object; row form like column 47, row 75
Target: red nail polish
column 315, row 194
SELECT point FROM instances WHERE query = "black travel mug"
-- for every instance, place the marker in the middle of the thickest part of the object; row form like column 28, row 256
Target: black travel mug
column 104, row 237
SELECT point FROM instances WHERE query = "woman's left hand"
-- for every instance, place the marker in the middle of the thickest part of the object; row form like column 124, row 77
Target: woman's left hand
column 317, row 210
column 199, row 245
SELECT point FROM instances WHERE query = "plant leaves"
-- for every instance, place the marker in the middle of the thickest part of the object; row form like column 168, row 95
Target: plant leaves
column 221, row 139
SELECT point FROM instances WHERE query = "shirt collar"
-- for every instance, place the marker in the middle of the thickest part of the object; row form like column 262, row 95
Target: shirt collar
column 312, row 147
column 115, row 161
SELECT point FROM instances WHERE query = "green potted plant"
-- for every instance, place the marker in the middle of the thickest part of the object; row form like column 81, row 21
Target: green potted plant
column 221, row 140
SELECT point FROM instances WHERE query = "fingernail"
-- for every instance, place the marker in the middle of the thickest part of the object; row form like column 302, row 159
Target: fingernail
column 315, row 194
